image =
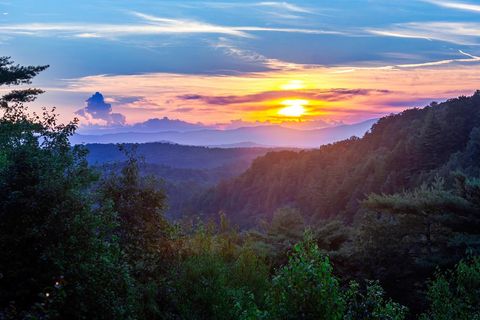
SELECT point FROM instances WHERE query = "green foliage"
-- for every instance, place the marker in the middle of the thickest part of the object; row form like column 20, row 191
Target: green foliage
column 144, row 234
column 305, row 288
column 287, row 225
column 371, row 304
column 286, row 228
column 455, row 294
column 220, row 276
column 423, row 218
column 140, row 204
column 407, row 235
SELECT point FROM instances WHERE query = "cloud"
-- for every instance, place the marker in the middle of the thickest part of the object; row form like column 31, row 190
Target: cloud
column 456, row 5
column 293, row 124
column 471, row 59
column 125, row 99
column 253, row 57
column 97, row 111
column 281, row 7
column 462, row 33
column 276, row 64
column 334, row 94
column 188, row 26
column 182, row 110
column 284, row 6
column 150, row 25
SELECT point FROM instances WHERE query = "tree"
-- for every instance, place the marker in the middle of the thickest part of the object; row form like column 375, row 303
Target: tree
column 305, row 288
column 143, row 231
column 60, row 257
column 455, row 294
column 405, row 236
column 370, row 304
column 286, row 228
column 219, row 275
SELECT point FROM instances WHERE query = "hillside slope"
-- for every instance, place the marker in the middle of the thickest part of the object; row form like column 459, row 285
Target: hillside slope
column 401, row 151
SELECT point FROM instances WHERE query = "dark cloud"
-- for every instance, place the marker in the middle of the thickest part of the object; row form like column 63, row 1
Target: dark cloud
column 410, row 103
column 183, row 110
column 98, row 109
column 325, row 95
column 191, row 97
column 128, row 100
column 149, row 109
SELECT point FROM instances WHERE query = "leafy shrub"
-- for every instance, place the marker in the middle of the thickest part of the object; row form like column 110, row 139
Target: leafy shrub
column 305, row 288
column 371, row 304
column 456, row 294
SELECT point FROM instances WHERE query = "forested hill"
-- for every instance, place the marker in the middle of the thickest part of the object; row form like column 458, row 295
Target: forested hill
column 401, row 151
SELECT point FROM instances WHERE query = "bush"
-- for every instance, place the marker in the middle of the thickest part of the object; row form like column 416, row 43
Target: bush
column 305, row 288
column 371, row 304
column 455, row 294
column 219, row 277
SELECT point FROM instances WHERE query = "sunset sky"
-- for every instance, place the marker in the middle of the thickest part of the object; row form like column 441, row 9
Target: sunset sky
column 232, row 63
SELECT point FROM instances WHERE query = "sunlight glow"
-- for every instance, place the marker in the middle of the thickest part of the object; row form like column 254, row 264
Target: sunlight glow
column 293, row 85
column 294, row 108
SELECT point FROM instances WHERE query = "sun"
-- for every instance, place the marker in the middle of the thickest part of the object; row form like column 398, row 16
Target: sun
column 294, row 108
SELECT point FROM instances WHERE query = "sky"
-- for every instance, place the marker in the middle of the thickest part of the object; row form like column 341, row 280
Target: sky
column 234, row 63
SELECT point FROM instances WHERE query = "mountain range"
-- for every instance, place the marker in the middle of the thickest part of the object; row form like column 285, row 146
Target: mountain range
column 267, row 135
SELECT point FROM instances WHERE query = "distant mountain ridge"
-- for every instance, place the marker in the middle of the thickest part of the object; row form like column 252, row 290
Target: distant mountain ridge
column 275, row 136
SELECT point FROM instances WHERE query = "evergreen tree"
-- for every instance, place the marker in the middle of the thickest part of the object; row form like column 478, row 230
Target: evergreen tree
column 407, row 235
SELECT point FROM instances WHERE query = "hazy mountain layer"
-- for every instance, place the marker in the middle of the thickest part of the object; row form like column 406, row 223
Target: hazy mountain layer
column 263, row 135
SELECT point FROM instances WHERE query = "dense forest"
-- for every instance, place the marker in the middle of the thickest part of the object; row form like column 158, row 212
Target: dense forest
column 177, row 156
column 383, row 227
column 187, row 172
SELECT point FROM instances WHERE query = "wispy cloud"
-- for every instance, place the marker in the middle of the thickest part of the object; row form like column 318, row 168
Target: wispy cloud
column 118, row 30
column 253, row 57
column 456, row 5
column 333, row 94
column 462, row 33
column 150, row 25
column 278, row 6
column 285, row 6
column 470, row 59
column 276, row 64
